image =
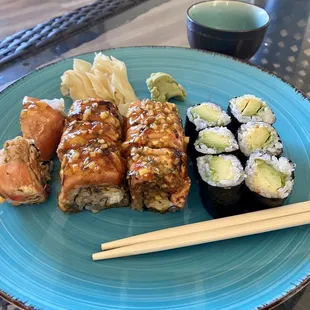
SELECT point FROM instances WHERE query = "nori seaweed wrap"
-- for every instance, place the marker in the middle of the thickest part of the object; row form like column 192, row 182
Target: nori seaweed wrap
column 269, row 180
column 249, row 108
column 201, row 116
column 258, row 137
column 221, row 184
column 215, row 140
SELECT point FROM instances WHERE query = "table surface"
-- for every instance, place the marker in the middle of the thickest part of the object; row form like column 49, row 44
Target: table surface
column 285, row 50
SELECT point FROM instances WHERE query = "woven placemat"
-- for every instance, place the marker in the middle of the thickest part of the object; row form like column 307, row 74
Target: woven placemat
column 61, row 27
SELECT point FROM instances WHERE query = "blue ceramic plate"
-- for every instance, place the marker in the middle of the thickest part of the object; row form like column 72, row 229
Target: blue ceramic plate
column 45, row 255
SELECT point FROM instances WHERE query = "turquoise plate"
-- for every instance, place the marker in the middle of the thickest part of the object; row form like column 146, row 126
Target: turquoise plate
column 45, row 255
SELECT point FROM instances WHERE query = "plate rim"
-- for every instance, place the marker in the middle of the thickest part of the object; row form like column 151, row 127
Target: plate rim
column 271, row 305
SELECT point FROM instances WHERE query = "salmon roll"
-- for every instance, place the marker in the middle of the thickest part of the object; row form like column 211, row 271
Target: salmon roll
column 93, row 110
column 79, row 133
column 156, row 160
column 158, row 179
column 23, row 179
column 159, row 134
column 92, row 179
column 92, row 168
column 43, row 121
column 146, row 112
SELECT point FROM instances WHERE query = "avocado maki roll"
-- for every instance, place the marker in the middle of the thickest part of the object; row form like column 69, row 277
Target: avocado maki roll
column 269, row 180
column 201, row 116
column 221, row 184
column 215, row 140
column 249, row 108
column 257, row 136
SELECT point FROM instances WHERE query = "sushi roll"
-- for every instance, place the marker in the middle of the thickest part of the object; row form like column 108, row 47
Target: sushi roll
column 92, row 167
column 43, row 121
column 161, row 133
column 202, row 116
column 215, row 140
column 79, row 133
column 158, row 179
column 257, row 136
column 156, row 159
column 249, row 108
column 269, row 180
column 23, row 179
column 221, row 184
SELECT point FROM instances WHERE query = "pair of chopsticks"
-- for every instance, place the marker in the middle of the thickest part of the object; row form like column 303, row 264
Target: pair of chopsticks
column 208, row 231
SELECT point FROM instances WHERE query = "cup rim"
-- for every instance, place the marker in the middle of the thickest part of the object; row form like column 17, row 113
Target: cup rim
column 223, row 30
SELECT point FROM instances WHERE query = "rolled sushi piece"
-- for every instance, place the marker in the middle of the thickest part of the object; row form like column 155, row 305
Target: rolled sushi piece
column 269, row 180
column 221, row 184
column 23, row 178
column 249, row 108
column 259, row 137
column 43, row 121
column 201, row 116
column 215, row 140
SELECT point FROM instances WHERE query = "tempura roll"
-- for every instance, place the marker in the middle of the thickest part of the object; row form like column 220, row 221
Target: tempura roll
column 92, row 179
column 270, row 180
column 158, row 179
column 23, row 179
column 43, row 121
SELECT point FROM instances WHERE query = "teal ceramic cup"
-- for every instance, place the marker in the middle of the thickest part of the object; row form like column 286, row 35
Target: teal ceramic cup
column 230, row 27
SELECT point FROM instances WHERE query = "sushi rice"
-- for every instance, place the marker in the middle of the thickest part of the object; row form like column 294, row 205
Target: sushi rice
column 282, row 164
column 200, row 123
column 206, row 173
column 264, row 114
column 272, row 145
column 56, row 104
column 201, row 146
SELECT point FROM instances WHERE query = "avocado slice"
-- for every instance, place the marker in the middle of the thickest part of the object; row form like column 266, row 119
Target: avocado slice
column 215, row 140
column 249, row 106
column 162, row 87
column 220, row 169
column 258, row 138
column 206, row 112
column 267, row 177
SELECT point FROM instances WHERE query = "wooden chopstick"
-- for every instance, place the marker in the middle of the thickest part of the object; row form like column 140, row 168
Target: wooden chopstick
column 196, row 238
column 212, row 224
column 206, row 236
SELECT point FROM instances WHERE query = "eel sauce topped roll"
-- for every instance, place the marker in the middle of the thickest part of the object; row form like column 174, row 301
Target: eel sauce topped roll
column 158, row 179
column 202, row 116
column 269, row 179
column 156, row 159
column 215, row 140
column 249, row 108
column 221, row 184
column 92, row 168
column 154, row 124
column 23, row 178
column 259, row 137
column 43, row 121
